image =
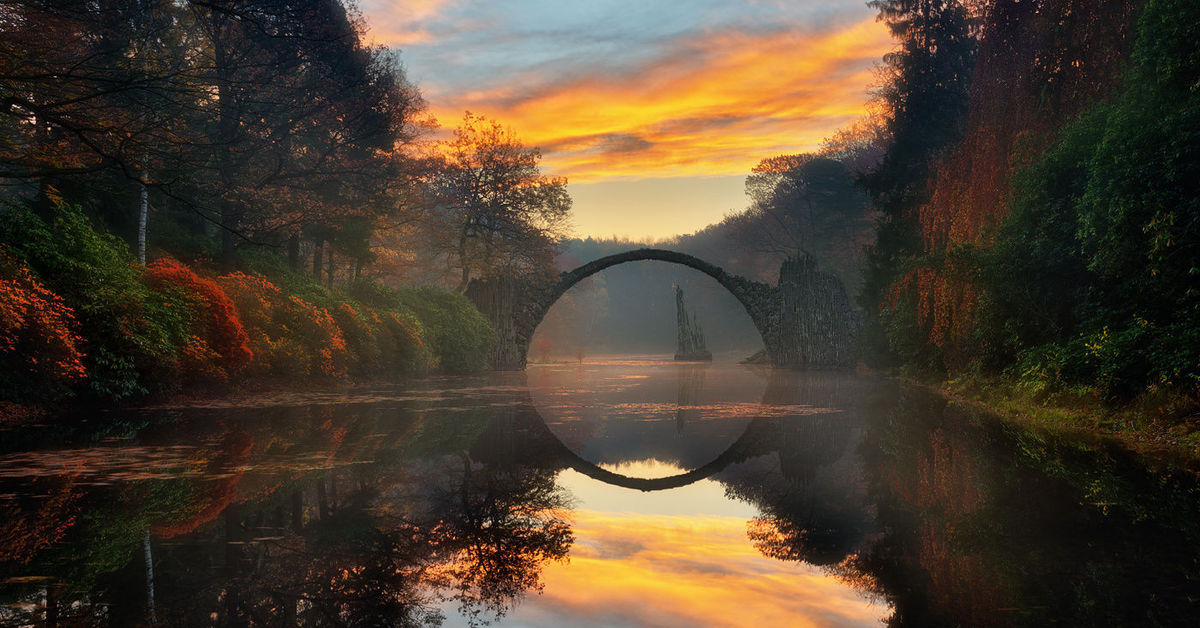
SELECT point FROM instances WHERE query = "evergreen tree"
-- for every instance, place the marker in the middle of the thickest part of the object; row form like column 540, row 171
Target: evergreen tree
column 924, row 104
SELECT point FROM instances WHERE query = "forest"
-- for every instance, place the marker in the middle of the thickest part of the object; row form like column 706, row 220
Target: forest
column 1039, row 203
column 200, row 192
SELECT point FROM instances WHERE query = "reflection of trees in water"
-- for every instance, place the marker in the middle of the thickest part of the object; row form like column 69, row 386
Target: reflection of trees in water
column 361, row 549
column 810, row 495
column 955, row 519
column 952, row 519
column 497, row 525
column 993, row 525
column 812, row 504
column 379, row 544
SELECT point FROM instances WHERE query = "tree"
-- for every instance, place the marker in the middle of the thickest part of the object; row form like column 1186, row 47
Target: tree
column 254, row 116
column 923, row 103
column 806, row 203
column 497, row 211
column 305, row 117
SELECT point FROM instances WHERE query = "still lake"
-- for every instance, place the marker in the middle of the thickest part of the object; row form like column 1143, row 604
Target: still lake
column 619, row 492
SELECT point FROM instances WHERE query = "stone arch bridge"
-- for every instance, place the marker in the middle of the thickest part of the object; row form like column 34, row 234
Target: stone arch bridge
column 806, row 320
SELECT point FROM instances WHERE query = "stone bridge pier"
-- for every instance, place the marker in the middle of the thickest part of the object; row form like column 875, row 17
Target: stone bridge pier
column 806, row 320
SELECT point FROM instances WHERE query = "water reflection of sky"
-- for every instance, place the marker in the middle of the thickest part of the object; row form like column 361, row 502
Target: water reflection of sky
column 678, row 558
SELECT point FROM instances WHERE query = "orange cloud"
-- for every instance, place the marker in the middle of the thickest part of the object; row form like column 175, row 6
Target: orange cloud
column 399, row 24
column 715, row 105
column 686, row 571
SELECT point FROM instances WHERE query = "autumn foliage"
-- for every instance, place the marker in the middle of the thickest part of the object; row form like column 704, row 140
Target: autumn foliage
column 169, row 326
column 1039, row 65
column 218, row 346
column 1054, row 241
column 39, row 342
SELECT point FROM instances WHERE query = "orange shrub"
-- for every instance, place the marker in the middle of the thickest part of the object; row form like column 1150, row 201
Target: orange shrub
column 254, row 296
column 290, row 335
column 219, row 341
column 316, row 330
column 39, row 347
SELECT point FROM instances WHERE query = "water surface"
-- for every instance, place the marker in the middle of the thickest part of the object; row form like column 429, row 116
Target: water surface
column 622, row 492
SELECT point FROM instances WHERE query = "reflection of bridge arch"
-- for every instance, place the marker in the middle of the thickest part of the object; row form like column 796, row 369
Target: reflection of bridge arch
column 530, row 429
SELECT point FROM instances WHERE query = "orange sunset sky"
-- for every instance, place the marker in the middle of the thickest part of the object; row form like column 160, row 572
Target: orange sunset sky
column 654, row 111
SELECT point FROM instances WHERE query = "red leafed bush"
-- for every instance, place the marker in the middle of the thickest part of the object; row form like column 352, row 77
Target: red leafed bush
column 255, row 296
column 217, row 324
column 291, row 336
column 39, row 347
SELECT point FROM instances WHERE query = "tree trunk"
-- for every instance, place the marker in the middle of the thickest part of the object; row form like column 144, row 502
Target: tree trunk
column 53, row 592
column 226, row 137
column 229, row 224
column 151, row 615
column 318, row 245
column 297, row 511
column 462, row 260
column 293, row 252
column 143, row 211
column 330, row 268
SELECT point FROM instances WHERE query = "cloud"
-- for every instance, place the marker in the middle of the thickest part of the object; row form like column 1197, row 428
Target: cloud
column 708, row 104
column 401, row 24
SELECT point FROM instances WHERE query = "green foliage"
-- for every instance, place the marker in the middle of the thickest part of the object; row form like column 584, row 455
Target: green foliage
column 458, row 336
column 130, row 331
column 401, row 338
column 1094, row 274
column 374, row 294
column 461, row 337
column 1037, row 277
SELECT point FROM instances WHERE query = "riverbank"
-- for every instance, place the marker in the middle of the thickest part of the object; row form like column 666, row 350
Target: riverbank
column 82, row 322
column 1163, row 426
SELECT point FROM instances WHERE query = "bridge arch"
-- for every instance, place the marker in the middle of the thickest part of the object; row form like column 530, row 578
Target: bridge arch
column 755, row 297
column 805, row 321
column 530, row 438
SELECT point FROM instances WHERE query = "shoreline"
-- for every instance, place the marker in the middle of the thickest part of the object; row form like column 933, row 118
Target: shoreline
column 1169, row 441
column 1172, row 440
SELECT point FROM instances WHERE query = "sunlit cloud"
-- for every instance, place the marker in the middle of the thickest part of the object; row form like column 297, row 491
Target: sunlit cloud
column 686, row 571
column 618, row 92
column 401, row 23
column 715, row 105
